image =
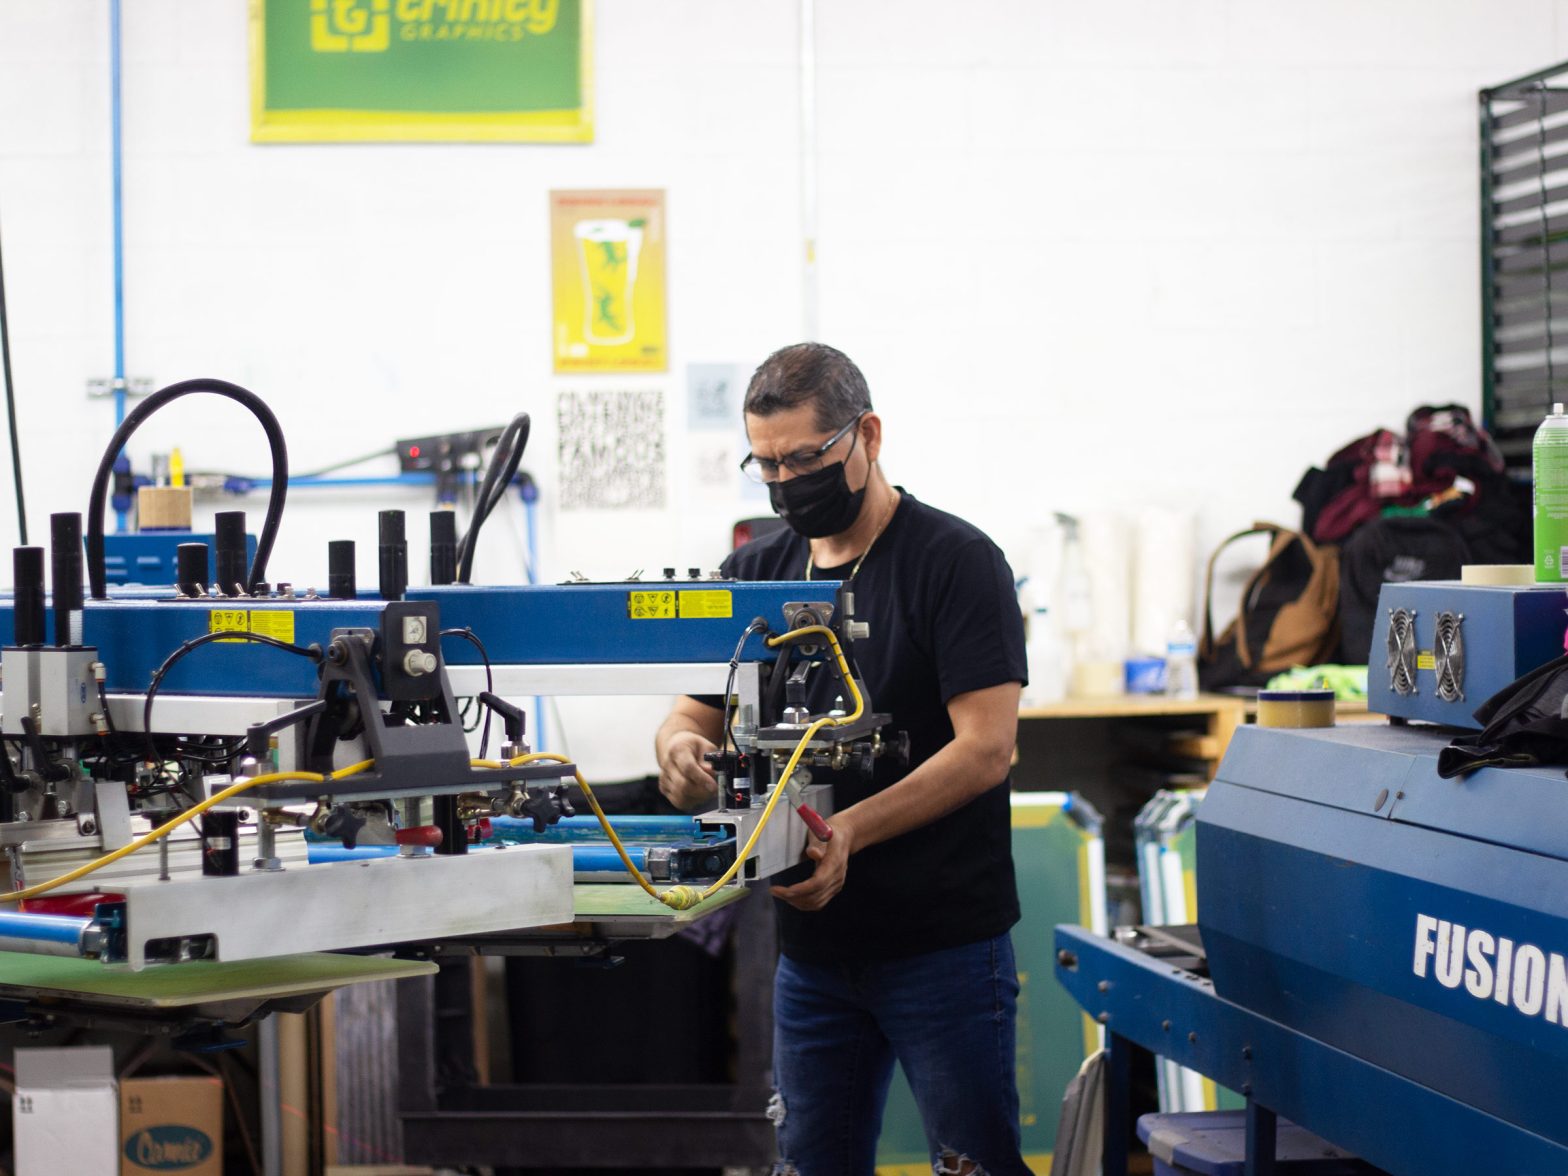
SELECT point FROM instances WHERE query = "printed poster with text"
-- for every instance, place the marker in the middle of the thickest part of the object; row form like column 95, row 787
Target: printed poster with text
column 337, row 71
column 607, row 272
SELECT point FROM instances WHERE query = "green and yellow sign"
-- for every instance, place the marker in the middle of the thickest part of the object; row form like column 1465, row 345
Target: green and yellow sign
column 421, row 70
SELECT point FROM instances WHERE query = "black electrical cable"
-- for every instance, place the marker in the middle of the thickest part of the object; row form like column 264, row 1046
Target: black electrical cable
column 97, row 576
column 469, row 636
column 10, row 408
column 312, row 652
column 758, row 625
column 508, row 453
column 498, row 476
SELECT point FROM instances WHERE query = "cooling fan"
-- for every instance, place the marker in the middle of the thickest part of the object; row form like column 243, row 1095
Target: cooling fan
column 1402, row 650
column 1448, row 652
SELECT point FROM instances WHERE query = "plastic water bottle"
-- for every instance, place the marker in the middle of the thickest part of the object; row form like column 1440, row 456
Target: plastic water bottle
column 1549, row 478
column 1046, row 662
column 1181, row 662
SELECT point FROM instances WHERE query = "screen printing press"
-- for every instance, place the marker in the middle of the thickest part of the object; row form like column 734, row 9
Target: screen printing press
column 202, row 782
column 1380, row 952
column 222, row 797
column 323, row 832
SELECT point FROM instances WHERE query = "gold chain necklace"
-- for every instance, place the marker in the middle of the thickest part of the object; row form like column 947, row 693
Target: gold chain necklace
column 886, row 519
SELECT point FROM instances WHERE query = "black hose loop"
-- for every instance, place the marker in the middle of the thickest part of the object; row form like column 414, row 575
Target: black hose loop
column 97, row 575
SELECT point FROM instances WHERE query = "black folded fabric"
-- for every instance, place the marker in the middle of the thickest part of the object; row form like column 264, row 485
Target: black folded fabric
column 1523, row 726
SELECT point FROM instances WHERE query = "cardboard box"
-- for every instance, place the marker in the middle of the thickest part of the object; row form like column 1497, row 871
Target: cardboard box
column 64, row 1112
column 171, row 1125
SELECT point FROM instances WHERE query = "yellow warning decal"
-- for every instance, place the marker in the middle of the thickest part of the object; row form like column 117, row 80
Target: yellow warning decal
column 1425, row 660
column 651, row 606
column 273, row 622
column 709, row 603
column 228, row 620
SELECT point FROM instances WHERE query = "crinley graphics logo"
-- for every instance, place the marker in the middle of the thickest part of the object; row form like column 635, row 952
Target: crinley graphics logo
column 169, row 1147
column 1493, row 967
column 365, row 26
column 350, row 26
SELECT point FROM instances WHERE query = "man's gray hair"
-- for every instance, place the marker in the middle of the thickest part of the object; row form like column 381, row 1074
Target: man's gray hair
column 809, row 373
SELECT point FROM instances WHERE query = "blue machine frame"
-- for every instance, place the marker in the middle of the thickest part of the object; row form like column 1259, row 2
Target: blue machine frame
column 569, row 624
column 1505, row 632
column 1352, row 999
column 1386, row 1118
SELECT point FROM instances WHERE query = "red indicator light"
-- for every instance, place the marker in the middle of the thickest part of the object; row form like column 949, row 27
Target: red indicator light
column 413, row 451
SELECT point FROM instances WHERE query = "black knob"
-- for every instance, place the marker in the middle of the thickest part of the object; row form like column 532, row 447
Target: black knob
column 340, row 570
column 393, row 555
column 443, row 547
column 65, row 552
column 232, row 570
column 192, row 568
column 27, row 565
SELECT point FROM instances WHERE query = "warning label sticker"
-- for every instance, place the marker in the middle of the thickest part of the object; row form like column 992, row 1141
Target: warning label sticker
column 706, row 603
column 275, row 623
column 651, row 606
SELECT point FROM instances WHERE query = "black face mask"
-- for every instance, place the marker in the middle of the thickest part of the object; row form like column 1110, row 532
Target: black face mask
column 817, row 504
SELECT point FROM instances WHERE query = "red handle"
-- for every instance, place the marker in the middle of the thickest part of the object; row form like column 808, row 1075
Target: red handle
column 814, row 822
column 68, row 904
column 428, row 835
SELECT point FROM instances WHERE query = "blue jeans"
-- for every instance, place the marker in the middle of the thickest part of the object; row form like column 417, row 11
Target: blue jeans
column 946, row 1016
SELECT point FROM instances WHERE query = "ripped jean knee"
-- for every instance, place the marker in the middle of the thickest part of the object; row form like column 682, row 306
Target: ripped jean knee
column 776, row 1114
column 950, row 1163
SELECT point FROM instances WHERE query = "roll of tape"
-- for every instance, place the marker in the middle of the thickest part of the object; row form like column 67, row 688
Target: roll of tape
column 1295, row 708
column 1497, row 575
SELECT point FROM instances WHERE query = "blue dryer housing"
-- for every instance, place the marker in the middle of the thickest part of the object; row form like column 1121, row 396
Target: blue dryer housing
column 1441, row 648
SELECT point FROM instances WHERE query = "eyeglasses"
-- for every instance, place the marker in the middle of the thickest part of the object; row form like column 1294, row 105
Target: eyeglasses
column 807, row 461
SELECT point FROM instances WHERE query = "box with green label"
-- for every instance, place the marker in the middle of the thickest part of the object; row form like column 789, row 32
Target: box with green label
column 171, row 1124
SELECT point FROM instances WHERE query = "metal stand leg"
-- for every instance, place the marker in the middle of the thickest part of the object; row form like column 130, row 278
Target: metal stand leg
column 1118, row 1104
column 271, row 1097
column 1261, row 1123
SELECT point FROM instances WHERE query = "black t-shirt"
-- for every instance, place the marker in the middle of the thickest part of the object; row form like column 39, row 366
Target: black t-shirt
column 940, row 601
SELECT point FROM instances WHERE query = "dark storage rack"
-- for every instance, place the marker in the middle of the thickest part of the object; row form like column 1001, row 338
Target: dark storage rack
column 1524, row 257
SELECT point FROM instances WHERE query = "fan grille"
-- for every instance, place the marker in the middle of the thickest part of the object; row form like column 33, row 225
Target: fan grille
column 1448, row 651
column 1402, row 650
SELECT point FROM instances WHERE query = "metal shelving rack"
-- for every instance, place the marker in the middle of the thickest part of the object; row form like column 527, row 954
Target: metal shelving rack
column 1524, row 257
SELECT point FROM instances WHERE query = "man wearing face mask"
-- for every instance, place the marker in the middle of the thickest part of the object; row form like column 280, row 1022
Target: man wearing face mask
column 894, row 933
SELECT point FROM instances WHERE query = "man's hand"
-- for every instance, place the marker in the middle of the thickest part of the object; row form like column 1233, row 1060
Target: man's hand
column 685, row 777
column 832, row 858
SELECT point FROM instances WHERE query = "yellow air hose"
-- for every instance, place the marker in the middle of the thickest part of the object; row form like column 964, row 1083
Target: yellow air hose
column 168, row 827
column 682, row 898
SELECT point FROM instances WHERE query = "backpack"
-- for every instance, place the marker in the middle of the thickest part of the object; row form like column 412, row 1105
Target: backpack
column 1386, row 551
column 1289, row 614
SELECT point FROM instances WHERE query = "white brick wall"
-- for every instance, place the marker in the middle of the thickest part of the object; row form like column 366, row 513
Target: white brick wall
column 1089, row 253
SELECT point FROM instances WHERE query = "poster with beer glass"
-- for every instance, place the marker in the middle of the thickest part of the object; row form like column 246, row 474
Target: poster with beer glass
column 607, row 274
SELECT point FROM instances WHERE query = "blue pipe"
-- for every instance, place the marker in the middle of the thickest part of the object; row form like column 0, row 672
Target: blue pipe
column 119, row 230
column 602, row 859
column 585, row 858
column 416, row 478
column 631, row 827
column 586, row 828
column 64, row 929
column 322, row 851
column 529, row 493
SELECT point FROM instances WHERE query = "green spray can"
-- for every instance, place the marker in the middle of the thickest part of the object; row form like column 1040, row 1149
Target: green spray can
column 1549, row 477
